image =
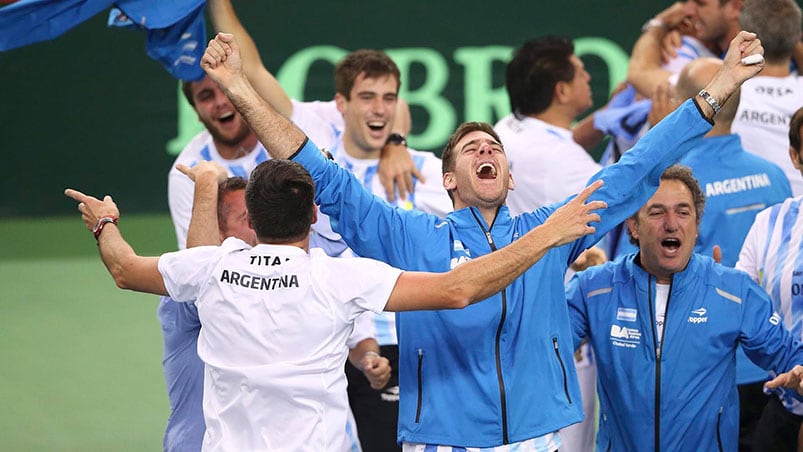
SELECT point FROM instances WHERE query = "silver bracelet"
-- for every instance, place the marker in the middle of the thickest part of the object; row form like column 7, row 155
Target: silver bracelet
column 710, row 100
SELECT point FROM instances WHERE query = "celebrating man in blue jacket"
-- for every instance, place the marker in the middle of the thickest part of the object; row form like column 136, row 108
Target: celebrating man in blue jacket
column 665, row 324
column 497, row 374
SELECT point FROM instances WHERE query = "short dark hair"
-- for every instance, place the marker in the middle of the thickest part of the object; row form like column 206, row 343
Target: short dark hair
column 683, row 174
column 794, row 129
column 777, row 24
column 374, row 63
column 279, row 198
column 186, row 88
column 536, row 67
column 229, row 185
column 447, row 157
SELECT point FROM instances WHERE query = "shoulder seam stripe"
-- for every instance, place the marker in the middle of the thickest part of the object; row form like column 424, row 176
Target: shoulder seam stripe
column 594, row 293
column 730, row 297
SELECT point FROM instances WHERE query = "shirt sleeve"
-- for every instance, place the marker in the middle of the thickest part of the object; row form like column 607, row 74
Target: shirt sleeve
column 748, row 256
column 577, row 311
column 359, row 284
column 185, row 272
column 364, row 328
column 765, row 339
column 630, row 182
column 370, row 226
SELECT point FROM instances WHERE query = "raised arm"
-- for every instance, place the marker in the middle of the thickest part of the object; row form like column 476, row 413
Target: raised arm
column 631, row 181
column 225, row 19
column 223, row 64
column 204, row 228
column 129, row 270
column 482, row 277
column 644, row 71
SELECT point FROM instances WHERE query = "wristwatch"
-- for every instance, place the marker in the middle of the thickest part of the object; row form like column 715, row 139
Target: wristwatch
column 396, row 138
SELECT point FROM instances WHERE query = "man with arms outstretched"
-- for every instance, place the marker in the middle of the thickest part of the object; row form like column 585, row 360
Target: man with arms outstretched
column 276, row 317
column 457, row 380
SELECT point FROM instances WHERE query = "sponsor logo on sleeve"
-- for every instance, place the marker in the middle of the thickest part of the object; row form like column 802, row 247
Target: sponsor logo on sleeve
column 775, row 319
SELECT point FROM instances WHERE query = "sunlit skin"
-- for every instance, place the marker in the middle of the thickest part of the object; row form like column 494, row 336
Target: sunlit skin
column 368, row 114
column 666, row 228
column 480, row 176
column 231, row 133
column 236, row 222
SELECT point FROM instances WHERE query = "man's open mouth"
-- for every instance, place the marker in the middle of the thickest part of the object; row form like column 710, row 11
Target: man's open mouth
column 486, row 171
column 226, row 117
column 671, row 244
column 376, row 125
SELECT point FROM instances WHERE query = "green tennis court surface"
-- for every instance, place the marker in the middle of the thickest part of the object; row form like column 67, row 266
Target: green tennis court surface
column 80, row 359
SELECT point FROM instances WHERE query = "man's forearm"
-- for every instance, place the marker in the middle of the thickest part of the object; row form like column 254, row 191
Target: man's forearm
column 129, row 270
column 644, row 71
column 204, row 228
column 280, row 137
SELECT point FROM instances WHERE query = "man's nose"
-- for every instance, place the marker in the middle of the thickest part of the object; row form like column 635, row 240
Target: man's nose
column 670, row 223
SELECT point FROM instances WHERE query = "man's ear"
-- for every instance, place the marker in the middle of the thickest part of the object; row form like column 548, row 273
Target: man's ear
column 632, row 226
column 448, row 181
column 314, row 214
column 561, row 92
column 340, row 102
column 795, row 157
column 511, row 183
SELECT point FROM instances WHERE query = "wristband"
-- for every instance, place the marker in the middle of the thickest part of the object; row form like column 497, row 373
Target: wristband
column 710, row 100
column 98, row 228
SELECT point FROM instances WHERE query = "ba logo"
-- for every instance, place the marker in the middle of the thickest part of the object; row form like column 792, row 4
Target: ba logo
column 620, row 332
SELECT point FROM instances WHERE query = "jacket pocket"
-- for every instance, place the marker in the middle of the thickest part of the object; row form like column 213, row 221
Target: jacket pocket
column 420, row 386
column 562, row 369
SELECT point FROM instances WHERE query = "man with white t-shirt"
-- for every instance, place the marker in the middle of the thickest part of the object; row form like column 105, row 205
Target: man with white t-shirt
column 276, row 316
column 769, row 99
column 548, row 88
column 219, row 212
column 772, row 255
